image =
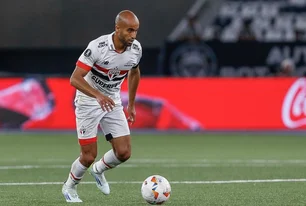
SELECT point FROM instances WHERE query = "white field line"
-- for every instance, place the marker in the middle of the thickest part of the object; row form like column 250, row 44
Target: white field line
column 247, row 161
column 147, row 163
column 171, row 182
column 178, row 161
column 23, row 167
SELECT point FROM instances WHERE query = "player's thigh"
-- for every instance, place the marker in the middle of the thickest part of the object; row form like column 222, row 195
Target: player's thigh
column 116, row 129
column 87, row 121
column 114, row 124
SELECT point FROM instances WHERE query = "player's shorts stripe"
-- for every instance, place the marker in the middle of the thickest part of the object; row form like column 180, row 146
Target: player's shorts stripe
column 104, row 70
column 105, row 163
column 106, row 77
column 83, row 142
column 74, row 177
column 83, row 66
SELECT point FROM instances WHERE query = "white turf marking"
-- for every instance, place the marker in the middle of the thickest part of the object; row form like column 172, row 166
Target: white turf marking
column 172, row 164
column 171, row 182
column 19, row 167
column 178, row 161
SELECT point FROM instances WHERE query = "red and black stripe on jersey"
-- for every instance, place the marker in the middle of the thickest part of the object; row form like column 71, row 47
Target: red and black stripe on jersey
column 106, row 77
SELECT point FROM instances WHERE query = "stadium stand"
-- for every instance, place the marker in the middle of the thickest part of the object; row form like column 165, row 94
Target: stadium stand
column 260, row 20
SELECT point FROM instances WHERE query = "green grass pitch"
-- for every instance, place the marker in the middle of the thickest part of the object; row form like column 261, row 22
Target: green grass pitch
column 203, row 169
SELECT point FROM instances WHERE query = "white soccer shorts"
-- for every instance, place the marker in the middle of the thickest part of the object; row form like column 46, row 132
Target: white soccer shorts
column 88, row 117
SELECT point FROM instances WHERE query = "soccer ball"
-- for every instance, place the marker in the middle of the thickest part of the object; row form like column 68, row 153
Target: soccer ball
column 156, row 190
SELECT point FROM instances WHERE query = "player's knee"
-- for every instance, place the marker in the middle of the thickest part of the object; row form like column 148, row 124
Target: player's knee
column 88, row 159
column 123, row 154
column 88, row 154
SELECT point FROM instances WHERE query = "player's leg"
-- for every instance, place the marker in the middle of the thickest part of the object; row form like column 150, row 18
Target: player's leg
column 116, row 130
column 82, row 163
column 120, row 152
column 87, row 127
column 77, row 171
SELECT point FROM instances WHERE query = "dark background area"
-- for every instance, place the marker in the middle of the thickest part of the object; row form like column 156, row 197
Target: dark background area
column 47, row 37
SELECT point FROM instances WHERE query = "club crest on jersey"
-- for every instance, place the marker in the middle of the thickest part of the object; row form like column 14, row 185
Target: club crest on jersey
column 112, row 73
column 82, row 130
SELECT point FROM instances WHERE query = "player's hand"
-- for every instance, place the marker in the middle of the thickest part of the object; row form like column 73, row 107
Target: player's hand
column 131, row 111
column 106, row 103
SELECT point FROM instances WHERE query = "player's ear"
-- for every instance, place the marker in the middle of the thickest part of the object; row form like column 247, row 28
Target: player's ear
column 117, row 28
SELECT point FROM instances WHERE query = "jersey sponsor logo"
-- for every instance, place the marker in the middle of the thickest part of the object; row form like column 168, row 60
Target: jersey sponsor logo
column 105, row 62
column 98, row 81
column 102, row 44
column 134, row 46
column 106, row 77
column 87, row 53
column 294, row 105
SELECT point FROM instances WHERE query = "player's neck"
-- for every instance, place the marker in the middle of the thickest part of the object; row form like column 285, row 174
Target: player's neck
column 119, row 46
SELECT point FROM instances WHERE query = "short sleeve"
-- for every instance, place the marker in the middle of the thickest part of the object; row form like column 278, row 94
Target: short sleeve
column 139, row 55
column 88, row 57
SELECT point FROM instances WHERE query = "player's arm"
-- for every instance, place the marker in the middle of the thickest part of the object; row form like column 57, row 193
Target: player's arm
column 77, row 80
column 133, row 82
column 83, row 66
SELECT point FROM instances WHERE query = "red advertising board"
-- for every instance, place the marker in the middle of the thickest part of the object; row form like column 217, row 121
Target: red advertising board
column 165, row 103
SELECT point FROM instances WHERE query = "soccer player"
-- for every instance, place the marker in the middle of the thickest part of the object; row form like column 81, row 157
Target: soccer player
column 98, row 76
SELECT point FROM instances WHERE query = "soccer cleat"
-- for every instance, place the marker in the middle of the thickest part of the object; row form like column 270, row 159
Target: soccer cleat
column 101, row 182
column 70, row 194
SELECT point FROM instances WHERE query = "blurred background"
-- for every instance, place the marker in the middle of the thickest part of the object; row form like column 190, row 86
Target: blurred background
column 240, row 63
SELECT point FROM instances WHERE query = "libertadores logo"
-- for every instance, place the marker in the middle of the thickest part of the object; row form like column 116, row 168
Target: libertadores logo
column 294, row 105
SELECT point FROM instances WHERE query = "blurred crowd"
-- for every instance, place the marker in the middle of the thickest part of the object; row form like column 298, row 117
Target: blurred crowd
column 269, row 21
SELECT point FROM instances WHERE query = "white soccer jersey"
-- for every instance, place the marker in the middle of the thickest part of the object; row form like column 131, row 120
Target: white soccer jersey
column 107, row 68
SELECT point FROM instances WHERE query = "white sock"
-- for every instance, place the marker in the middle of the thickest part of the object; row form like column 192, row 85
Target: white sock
column 76, row 173
column 108, row 161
